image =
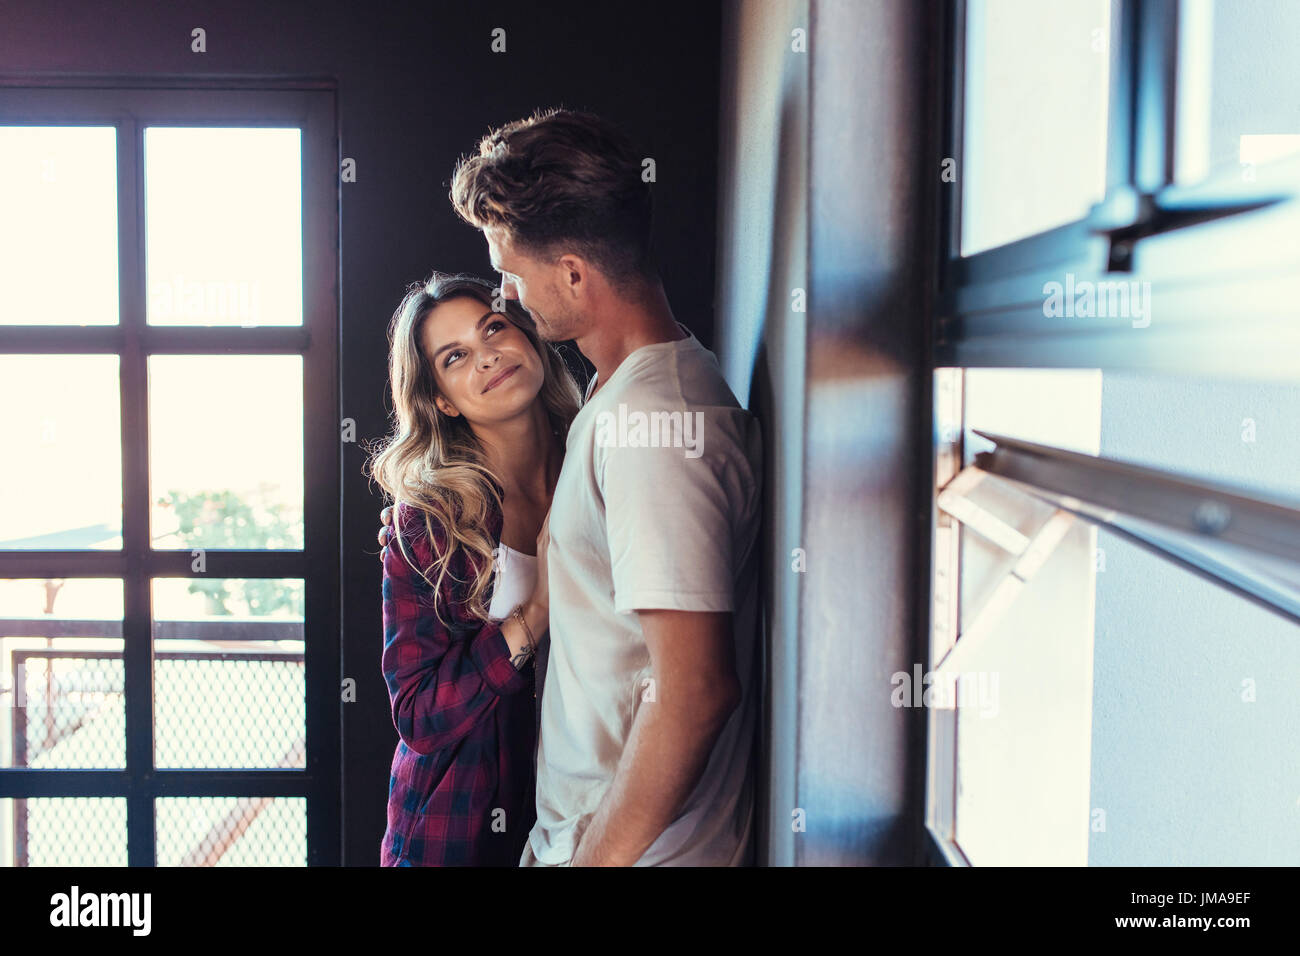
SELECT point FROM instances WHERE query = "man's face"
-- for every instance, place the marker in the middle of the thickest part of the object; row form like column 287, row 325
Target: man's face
column 536, row 285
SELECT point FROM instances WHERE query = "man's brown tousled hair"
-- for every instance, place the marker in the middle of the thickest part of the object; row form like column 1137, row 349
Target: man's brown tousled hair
column 560, row 181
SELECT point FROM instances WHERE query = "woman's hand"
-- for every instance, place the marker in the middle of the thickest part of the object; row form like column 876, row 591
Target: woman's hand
column 385, row 516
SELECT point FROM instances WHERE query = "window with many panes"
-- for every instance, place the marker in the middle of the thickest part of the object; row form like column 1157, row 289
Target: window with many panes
column 168, row 576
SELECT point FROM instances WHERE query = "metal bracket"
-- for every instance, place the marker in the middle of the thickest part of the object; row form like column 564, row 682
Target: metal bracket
column 1032, row 553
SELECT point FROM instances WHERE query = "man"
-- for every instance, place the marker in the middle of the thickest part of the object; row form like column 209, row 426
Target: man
column 649, row 696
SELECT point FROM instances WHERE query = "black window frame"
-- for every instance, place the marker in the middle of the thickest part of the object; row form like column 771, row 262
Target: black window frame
column 990, row 303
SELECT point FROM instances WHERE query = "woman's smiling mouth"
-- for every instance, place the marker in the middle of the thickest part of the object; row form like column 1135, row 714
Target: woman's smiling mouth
column 501, row 378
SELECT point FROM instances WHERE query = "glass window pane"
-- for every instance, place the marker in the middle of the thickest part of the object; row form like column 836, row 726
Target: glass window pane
column 1228, row 431
column 58, row 220
column 1123, row 711
column 231, row 831
column 1025, row 698
column 1195, row 717
column 1037, row 82
column 1237, row 76
column 63, row 831
column 1051, row 406
column 1233, row 432
column 224, row 226
column 225, row 451
column 1112, row 668
column 63, row 412
column 61, row 677
column 229, row 686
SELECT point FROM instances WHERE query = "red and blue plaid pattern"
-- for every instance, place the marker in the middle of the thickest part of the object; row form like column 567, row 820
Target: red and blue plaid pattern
column 460, row 791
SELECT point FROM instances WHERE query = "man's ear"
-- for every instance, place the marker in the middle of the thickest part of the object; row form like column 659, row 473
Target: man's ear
column 574, row 273
column 446, row 407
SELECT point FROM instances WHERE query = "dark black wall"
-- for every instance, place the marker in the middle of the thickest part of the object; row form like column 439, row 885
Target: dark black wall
column 417, row 86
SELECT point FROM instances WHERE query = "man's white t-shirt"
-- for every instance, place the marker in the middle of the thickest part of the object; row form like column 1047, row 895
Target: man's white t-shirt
column 657, row 506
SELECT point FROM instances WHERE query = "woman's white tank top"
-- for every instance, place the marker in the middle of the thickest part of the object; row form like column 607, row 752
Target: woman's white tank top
column 516, row 576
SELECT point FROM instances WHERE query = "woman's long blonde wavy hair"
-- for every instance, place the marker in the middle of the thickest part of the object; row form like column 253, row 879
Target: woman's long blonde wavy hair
column 434, row 462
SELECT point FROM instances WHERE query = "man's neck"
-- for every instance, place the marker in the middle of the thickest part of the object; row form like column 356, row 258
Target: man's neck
column 634, row 326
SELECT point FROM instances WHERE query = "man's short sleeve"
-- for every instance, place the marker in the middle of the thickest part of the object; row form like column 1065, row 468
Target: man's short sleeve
column 672, row 519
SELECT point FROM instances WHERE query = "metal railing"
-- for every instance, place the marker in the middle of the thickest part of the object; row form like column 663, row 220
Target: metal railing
column 70, row 701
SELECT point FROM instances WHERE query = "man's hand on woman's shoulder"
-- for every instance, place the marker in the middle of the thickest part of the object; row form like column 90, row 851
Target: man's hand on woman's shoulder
column 386, row 518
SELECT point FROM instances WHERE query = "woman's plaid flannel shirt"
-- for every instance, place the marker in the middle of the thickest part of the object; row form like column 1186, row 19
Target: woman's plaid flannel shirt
column 461, row 787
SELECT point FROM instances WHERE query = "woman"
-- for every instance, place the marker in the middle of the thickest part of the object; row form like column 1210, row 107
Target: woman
column 482, row 407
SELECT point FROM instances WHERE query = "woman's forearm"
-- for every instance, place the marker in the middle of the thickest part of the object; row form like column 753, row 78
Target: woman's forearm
column 537, row 618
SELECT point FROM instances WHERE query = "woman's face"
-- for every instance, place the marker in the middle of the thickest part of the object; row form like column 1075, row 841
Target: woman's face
column 484, row 366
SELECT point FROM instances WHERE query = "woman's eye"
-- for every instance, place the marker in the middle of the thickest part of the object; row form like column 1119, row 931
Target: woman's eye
column 450, row 357
column 498, row 324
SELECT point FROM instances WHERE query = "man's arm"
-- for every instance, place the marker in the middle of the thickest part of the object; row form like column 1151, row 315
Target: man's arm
column 692, row 658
